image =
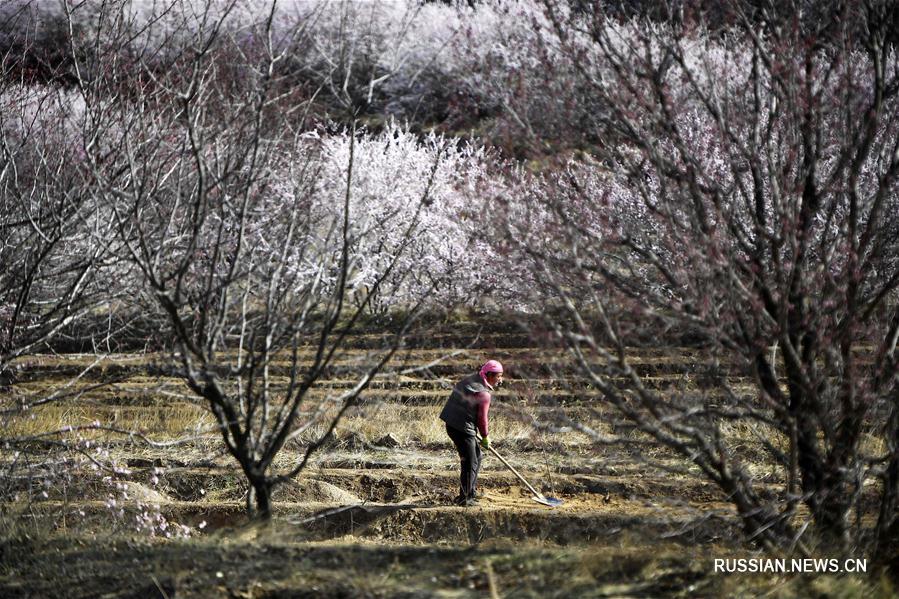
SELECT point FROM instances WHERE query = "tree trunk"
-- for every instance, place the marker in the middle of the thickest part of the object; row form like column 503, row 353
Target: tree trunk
column 887, row 533
column 823, row 478
column 262, row 490
column 259, row 498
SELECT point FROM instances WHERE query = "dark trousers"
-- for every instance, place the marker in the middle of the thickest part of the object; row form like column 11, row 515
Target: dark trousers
column 470, row 455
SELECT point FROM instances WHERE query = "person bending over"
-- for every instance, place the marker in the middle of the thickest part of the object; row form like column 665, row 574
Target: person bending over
column 465, row 414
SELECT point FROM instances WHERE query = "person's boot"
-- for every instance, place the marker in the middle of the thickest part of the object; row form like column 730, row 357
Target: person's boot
column 460, row 499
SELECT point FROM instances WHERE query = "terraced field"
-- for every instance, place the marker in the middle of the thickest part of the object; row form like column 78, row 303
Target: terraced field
column 371, row 516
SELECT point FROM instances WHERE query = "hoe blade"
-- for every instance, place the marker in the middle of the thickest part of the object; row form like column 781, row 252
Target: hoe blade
column 550, row 501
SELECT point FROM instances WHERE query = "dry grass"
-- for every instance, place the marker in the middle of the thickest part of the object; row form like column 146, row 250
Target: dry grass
column 163, row 422
column 165, row 409
column 421, row 425
column 610, row 565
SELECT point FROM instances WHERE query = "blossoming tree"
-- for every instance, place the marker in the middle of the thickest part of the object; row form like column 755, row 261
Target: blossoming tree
column 744, row 197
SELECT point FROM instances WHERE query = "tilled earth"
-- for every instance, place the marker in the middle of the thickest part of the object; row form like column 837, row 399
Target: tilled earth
column 372, row 517
column 387, row 531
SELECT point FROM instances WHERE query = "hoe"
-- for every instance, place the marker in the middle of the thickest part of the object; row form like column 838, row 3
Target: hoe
column 538, row 497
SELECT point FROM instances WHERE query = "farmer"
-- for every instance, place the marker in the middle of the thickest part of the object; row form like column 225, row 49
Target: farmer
column 465, row 414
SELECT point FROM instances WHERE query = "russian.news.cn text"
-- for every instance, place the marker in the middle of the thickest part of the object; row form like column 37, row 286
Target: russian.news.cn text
column 791, row 566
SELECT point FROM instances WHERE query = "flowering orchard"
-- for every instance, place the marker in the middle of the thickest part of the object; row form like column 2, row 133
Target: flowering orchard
column 431, row 187
column 250, row 176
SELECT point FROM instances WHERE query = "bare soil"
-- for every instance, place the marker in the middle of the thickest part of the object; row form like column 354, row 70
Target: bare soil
column 366, row 520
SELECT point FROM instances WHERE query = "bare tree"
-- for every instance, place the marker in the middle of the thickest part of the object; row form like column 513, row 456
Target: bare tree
column 214, row 189
column 55, row 258
column 744, row 195
column 51, row 247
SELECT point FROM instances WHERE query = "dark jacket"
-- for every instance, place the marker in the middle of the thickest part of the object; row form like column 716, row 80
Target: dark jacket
column 467, row 406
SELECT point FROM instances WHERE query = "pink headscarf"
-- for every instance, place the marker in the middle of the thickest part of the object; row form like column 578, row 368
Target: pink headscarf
column 490, row 366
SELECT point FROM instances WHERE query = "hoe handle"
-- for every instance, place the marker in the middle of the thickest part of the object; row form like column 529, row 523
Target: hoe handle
column 515, row 472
